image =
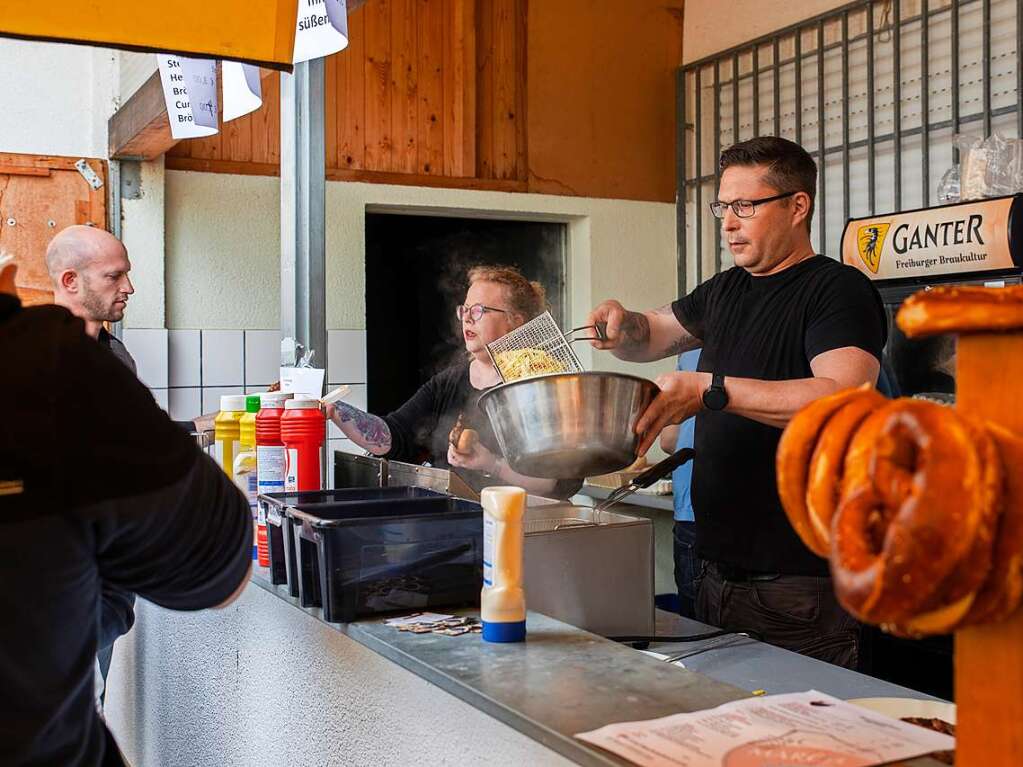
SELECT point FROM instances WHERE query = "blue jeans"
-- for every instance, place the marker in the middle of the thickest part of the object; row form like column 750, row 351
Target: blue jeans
column 687, row 567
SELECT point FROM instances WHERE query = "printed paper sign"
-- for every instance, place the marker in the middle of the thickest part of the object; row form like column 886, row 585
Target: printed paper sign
column 242, row 89
column 322, row 29
column 201, row 81
column 308, row 381
column 176, row 96
column 804, row 728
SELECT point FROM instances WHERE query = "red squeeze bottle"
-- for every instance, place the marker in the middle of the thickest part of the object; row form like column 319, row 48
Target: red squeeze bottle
column 303, row 429
column 269, row 461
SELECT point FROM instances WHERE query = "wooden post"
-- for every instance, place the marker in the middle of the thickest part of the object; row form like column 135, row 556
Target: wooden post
column 989, row 659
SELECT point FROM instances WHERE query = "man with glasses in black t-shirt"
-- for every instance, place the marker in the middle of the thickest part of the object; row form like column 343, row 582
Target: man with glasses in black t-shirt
column 781, row 328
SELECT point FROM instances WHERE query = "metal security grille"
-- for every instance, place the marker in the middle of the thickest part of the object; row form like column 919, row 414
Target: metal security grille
column 875, row 91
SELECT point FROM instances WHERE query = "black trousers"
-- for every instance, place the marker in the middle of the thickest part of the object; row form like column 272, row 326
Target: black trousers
column 796, row 612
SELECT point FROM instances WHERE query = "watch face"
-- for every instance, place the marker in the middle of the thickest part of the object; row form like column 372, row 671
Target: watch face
column 715, row 399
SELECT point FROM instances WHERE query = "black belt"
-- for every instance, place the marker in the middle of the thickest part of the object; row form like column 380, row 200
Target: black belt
column 741, row 574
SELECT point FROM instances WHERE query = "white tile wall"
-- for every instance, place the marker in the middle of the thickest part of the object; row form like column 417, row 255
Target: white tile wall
column 184, row 359
column 211, row 396
column 346, row 356
column 262, row 356
column 357, row 397
column 189, row 370
column 149, row 348
column 223, row 362
column 185, row 404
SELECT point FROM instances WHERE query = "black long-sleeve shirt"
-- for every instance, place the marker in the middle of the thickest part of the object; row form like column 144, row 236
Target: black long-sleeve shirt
column 420, row 428
column 97, row 487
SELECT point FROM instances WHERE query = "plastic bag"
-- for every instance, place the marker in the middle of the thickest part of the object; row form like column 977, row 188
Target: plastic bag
column 1000, row 170
column 948, row 187
column 972, row 166
column 987, row 168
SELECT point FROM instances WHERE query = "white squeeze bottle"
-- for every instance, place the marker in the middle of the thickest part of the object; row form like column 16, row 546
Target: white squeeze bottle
column 503, row 602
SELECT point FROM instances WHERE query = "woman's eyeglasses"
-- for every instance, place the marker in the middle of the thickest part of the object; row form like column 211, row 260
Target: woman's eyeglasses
column 475, row 312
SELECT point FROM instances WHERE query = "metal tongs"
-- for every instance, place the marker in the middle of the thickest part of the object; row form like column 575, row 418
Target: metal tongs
column 599, row 333
column 641, row 481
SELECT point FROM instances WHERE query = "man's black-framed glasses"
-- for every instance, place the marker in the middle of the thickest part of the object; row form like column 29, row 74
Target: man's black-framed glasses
column 744, row 208
column 475, row 312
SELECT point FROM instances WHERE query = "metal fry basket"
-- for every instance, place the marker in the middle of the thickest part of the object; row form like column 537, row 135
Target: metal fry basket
column 536, row 348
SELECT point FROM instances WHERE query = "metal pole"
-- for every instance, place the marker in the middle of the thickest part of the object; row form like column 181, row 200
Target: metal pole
column 777, row 90
column 897, row 99
column 845, row 117
column 756, row 90
column 699, row 173
column 955, row 75
column 680, row 178
column 986, row 63
column 821, row 150
column 1019, row 68
column 735, row 98
column 799, row 85
column 871, row 184
column 925, row 103
column 717, row 155
column 303, row 191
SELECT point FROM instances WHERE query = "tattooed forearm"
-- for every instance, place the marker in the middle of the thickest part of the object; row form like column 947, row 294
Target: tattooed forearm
column 635, row 331
column 653, row 335
column 367, row 430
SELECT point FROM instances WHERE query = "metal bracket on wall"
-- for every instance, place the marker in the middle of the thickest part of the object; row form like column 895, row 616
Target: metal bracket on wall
column 89, row 174
column 131, row 179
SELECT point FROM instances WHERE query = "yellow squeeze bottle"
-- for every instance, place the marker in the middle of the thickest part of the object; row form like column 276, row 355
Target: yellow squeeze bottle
column 226, row 432
column 245, row 461
column 503, row 601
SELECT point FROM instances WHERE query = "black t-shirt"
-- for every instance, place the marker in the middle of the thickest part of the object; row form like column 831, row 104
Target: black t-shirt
column 97, row 486
column 420, row 428
column 767, row 328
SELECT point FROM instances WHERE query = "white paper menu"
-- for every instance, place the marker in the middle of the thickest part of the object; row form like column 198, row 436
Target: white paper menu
column 179, row 106
column 803, row 728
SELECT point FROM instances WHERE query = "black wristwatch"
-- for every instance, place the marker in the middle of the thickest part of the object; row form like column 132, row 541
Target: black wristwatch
column 714, row 396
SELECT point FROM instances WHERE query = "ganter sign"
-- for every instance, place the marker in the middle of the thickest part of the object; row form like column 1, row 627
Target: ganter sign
column 968, row 237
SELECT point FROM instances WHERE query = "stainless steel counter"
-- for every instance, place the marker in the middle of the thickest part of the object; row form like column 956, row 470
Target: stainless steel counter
column 562, row 681
column 266, row 681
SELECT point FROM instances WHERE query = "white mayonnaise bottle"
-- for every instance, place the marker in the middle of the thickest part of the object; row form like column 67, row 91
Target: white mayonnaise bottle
column 503, row 602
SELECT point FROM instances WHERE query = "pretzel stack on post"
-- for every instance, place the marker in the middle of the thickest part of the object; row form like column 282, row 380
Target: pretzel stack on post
column 919, row 507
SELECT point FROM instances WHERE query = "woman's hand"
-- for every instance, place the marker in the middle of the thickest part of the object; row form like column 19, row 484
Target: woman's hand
column 476, row 458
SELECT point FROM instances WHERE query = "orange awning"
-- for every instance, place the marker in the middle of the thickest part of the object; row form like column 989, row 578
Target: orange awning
column 255, row 31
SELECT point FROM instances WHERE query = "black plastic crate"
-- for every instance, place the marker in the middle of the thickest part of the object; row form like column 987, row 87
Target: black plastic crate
column 286, row 554
column 365, row 565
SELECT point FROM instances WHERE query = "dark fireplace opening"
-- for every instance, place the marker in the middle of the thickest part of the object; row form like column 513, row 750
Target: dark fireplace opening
column 415, row 277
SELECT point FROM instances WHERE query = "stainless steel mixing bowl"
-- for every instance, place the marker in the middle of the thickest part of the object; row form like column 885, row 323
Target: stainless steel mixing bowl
column 568, row 425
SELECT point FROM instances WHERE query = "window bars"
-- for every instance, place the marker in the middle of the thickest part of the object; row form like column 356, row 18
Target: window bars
column 875, row 91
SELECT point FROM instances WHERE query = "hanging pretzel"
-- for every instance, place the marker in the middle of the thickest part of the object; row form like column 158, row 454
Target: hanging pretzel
column 962, row 310
column 913, row 504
